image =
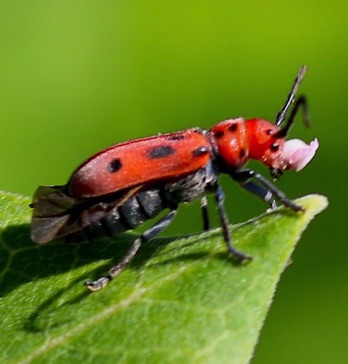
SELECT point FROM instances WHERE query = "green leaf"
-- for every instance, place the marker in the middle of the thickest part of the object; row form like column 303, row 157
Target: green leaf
column 180, row 300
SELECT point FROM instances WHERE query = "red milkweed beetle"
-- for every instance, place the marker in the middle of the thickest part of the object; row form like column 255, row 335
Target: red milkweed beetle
column 126, row 184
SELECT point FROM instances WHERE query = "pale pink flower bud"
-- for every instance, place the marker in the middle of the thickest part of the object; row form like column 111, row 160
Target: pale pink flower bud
column 297, row 154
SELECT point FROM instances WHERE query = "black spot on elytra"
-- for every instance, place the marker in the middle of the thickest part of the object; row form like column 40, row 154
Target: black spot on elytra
column 161, row 151
column 233, row 127
column 176, row 137
column 242, row 153
column 115, row 165
column 219, row 134
column 200, row 151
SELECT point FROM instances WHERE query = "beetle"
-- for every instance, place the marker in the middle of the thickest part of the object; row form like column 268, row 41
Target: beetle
column 123, row 186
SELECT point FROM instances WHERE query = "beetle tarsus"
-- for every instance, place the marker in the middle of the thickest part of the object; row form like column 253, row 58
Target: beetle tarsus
column 98, row 284
column 240, row 257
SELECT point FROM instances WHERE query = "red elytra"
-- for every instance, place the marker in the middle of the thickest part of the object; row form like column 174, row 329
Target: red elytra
column 126, row 184
column 139, row 161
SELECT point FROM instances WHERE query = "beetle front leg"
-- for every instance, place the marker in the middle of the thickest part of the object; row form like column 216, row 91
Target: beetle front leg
column 245, row 175
column 220, row 197
column 146, row 236
column 265, row 194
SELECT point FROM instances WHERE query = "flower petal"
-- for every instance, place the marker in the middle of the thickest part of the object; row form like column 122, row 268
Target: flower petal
column 297, row 154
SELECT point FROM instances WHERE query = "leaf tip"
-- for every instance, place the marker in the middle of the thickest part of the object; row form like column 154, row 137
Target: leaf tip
column 313, row 204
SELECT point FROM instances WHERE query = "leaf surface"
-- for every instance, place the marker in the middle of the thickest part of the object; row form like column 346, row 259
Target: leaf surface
column 179, row 301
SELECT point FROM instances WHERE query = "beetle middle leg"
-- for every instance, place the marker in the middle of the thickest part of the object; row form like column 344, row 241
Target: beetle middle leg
column 146, row 236
column 220, row 197
column 205, row 213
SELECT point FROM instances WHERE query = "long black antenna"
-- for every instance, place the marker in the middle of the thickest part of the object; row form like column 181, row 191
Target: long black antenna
column 291, row 97
column 300, row 102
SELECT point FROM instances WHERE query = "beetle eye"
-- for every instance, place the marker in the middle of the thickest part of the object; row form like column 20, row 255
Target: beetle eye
column 270, row 132
column 274, row 147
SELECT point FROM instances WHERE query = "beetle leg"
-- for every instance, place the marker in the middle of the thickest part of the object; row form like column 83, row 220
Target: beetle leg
column 265, row 194
column 146, row 236
column 246, row 174
column 205, row 214
column 220, row 197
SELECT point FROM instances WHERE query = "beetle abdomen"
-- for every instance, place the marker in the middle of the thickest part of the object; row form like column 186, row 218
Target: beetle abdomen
column 143, row 206
column 132, row 213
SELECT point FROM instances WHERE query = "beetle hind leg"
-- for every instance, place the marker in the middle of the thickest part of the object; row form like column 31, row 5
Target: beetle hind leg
column 146, row 236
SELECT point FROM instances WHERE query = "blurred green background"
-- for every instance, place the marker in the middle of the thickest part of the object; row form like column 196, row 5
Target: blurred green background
column 77, row 76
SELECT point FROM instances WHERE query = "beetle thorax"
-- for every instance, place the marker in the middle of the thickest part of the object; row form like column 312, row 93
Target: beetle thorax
column 230, row 139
